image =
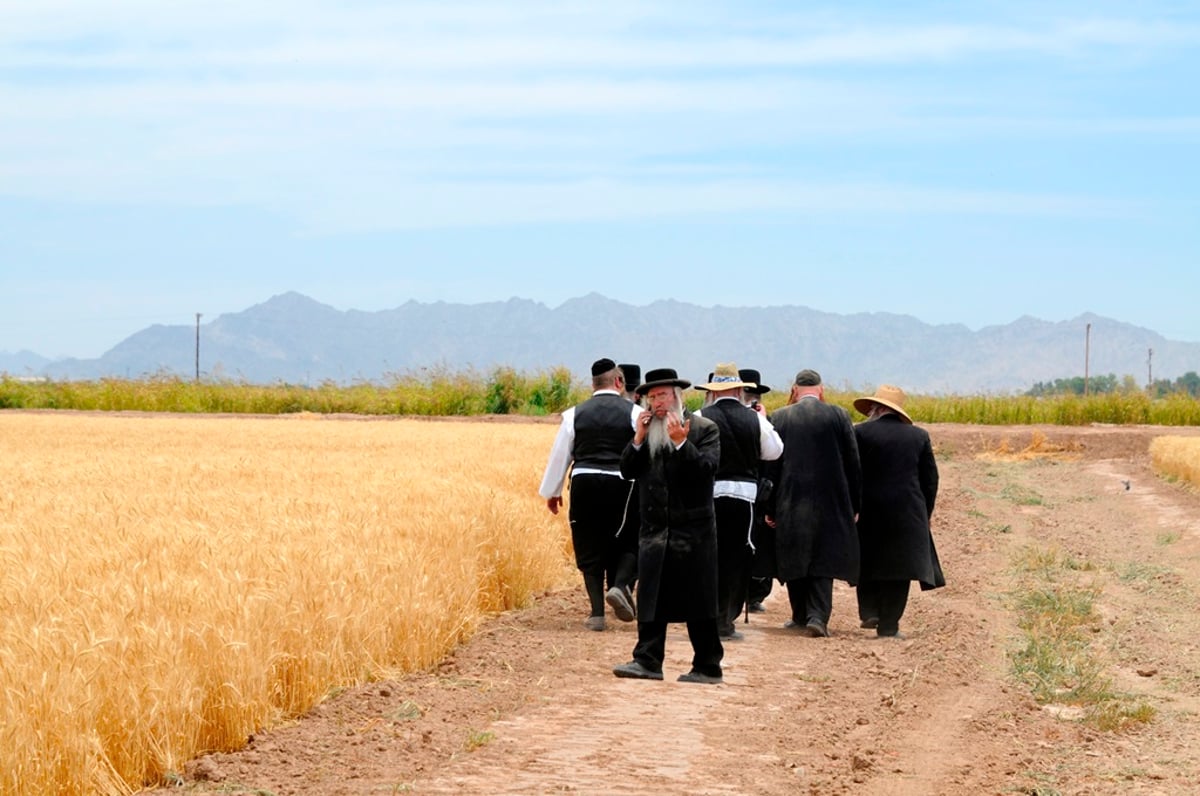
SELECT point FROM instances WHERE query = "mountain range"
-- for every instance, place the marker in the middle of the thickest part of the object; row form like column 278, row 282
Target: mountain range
column 296, row 339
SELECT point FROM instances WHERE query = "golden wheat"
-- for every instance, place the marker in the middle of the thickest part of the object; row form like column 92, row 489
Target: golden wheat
column 172, row 584
column 1177, row 457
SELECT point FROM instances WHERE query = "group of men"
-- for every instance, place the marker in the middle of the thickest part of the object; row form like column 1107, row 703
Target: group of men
column 691, row 506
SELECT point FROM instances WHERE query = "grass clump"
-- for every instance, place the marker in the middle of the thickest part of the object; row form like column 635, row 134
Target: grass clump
column 1057, row 657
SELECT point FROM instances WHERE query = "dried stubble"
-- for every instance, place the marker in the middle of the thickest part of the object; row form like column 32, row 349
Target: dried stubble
column 171, row 585
column 1177, row 457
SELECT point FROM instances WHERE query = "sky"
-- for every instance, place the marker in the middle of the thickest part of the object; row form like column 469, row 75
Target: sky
column 965, row 163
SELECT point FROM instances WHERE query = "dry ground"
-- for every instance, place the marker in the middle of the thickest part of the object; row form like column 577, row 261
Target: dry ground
column 530, row 705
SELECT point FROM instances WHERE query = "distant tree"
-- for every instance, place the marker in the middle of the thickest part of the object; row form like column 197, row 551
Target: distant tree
column 1096, row 385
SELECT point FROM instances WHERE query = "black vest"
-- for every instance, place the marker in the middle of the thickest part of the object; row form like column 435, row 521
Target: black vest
column 602, row 429
column 741, row 440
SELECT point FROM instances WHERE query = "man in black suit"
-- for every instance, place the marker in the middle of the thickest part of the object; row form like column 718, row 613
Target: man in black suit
column 815, row 502
column 900, row 483
column 673, row 457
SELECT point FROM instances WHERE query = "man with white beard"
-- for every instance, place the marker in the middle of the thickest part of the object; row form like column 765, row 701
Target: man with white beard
column 673, row 457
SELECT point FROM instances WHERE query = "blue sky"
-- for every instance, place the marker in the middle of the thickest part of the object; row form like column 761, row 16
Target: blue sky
column 959, row 162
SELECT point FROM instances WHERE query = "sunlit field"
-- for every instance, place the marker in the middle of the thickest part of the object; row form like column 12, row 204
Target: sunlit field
column 170, row 584
column 1177, row 457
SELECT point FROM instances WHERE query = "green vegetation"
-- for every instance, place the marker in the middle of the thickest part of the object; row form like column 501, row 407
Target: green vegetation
column 1057, row 657
column 1187, row 384
column 431, row 393
column 441, row 392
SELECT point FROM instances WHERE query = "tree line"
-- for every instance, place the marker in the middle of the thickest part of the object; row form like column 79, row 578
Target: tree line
column 1187, row 384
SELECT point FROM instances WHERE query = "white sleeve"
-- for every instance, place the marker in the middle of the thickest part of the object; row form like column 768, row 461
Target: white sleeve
column 769, row 442
column 560, row 457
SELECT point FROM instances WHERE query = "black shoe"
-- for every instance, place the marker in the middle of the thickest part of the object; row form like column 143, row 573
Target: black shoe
column 636, row 671
column 815, row 629
column 732, row 634
column 699, row 677
column 756, row 608
column 621, row 600
column 896, row 634
column 870, row 623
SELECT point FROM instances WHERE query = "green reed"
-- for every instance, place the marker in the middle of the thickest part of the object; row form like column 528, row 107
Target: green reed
column 506, row 391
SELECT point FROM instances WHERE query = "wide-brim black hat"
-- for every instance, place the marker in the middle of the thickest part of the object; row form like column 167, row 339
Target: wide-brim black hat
column 753, row 376
column 633, row 376
column 662, row 377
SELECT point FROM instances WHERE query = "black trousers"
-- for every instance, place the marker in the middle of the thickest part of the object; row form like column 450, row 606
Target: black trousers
column 884, row 600
column 604, row 541
column 734, row 520
column 707, row 650
column 811, row 599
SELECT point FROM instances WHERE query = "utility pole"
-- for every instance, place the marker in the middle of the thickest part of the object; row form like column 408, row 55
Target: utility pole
column 1087, row 356
column 197, row 346
column 1149, row 368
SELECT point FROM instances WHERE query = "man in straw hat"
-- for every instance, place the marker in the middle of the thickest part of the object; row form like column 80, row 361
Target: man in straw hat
column 758, row 587
column 747, row 439
column 815, row 502
column 900, row 483
column 673, row 456
column 590, row 440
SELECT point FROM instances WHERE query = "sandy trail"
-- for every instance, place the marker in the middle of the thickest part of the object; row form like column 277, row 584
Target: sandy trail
column 531, row 706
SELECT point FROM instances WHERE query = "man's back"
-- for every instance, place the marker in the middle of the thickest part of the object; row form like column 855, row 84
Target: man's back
column 817, row 491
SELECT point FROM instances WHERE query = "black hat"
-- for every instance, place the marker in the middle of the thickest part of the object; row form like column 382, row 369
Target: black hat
column 753, row 377
column 808, row 378
column 662, row 377
column 633, row 376
column 602, row 366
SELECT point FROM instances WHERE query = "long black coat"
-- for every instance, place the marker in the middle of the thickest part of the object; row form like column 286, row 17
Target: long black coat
column 817, row 492
column 900, row 483
column 677, row 544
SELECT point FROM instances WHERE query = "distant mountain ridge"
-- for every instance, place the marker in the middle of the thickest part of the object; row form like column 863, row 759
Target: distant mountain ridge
column 296, row 339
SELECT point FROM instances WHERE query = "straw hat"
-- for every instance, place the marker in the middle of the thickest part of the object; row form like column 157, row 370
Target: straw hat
column 885, row 395
column 725, row 377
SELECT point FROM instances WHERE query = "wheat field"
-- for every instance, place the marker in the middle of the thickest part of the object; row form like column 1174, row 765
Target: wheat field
column 1177, row 457
column 170, row 585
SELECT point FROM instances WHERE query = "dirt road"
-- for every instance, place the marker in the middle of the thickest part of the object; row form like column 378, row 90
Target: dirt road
column 531, row 706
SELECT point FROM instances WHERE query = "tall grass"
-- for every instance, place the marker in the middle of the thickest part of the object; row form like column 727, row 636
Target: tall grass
column 441, row 392
column 429, row 392
column 1177, row 457
column 170, row 585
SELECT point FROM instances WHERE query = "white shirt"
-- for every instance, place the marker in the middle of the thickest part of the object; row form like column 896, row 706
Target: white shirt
column 562, row 453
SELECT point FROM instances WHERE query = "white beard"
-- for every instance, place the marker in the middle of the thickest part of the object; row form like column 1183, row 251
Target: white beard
column 657, row 437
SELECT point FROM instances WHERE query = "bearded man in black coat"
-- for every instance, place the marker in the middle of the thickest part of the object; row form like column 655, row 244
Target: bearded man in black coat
column 673, row 457
column 900, row 483
column 815, row 502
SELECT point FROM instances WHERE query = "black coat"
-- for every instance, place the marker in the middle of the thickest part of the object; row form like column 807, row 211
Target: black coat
column 677, row 543
column 816, row 494
column 900, row 483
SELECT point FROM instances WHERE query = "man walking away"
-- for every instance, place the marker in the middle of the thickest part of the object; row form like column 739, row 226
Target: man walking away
column 900, row 483
column 747, row 439
column 589, row 442
column 815, row 502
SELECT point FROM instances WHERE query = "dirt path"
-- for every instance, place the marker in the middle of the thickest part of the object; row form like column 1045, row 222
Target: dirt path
column 530, row 705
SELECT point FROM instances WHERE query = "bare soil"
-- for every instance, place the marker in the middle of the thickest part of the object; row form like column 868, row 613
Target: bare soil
column 530, row 704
